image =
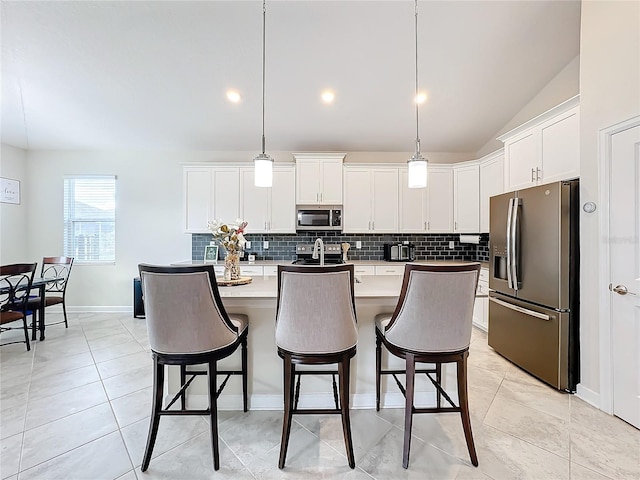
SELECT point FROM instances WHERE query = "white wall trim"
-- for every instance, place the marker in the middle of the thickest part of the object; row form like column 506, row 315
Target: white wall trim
column 589, row 396
column 605, row 398
column 101, row 309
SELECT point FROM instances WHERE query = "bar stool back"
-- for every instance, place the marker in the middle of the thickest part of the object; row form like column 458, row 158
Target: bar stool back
column 316, row 325
column 431, row 324
column 188, row 325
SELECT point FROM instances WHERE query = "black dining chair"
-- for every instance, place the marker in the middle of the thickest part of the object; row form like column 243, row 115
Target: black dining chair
column 58, row 268
column 15, row 283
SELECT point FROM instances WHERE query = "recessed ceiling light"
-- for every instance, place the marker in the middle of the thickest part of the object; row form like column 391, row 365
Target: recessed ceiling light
column 328, row 96
column 421, row 97
column 233, row 96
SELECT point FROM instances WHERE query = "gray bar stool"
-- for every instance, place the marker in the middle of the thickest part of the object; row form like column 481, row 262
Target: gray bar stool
column 431, row 324
column 316, row 325
column 188, row 325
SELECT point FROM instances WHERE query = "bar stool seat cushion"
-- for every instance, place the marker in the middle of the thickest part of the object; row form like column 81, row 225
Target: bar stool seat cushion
column 382, row 320
column 240, row 321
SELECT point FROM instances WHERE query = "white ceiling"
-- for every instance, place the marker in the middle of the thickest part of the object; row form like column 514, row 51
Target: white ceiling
column 153, row 74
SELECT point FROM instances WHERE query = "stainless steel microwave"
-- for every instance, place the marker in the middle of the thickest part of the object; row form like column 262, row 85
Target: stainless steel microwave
column 319, row 217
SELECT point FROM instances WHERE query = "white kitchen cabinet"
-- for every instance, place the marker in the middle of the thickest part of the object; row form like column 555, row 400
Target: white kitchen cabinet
column 272, row 209
column 491, row 183
column 225, row 193
column 466, row 198
column 196, row 198
column 360, row 270
column 391, row 269
column 210, row 193
column 481, row 305
column 319, row 178
column 545, row 149
column 412, row 209
column 251, row 270
column 370, row 200
column 439, row 199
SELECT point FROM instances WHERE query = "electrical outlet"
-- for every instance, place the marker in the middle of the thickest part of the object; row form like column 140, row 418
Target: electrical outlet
column 406, row 242
column 358, row 244
column 265, row 245
column 247, row 245
column 451, row 245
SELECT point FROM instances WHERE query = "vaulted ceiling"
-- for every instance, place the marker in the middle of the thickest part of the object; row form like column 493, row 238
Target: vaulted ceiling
column 154, row 74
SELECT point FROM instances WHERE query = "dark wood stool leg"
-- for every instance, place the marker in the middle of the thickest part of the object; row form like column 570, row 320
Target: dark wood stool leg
column 213, row 407
column 34, row 325
column 64, row 311
column 378, row 368
column 26, row 332
column 183, row 380
column 244, row 373
column 344, row 368
column 156, row 406
column 464, row 407
column 439, row 381
column 408, row 408
column 289, row 376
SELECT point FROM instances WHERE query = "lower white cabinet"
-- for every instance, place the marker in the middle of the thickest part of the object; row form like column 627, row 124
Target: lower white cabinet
column 364, row 270
column 481, row 305
column 397, row 269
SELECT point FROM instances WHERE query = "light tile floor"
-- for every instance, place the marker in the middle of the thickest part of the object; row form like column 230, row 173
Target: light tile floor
column 77, row 407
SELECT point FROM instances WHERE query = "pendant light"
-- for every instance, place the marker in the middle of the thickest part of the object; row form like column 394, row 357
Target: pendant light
column 263, row 163
column 417, row 164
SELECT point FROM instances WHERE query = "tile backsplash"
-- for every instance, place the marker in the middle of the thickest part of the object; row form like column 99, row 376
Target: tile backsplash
column 428, row 246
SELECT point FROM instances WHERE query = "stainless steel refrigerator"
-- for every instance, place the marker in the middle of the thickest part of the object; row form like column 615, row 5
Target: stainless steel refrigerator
column 534, row 281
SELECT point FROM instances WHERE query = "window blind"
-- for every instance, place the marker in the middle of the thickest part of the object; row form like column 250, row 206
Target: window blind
column 90, row 218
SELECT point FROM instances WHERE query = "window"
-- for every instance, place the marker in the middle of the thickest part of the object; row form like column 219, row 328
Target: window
column 90, row 218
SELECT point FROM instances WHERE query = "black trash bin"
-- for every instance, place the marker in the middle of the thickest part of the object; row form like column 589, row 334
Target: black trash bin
column 138, row 304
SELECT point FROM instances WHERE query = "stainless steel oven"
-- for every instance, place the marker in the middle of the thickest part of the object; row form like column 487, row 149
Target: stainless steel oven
column 319, row 217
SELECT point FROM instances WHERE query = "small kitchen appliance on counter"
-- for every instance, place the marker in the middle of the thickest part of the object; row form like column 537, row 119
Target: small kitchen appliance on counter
column 398, row 252
column 332, row 254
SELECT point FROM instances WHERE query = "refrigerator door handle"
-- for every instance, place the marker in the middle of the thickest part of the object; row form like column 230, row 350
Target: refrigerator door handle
column 515, row 253
column 526, row 311
column 509, row 244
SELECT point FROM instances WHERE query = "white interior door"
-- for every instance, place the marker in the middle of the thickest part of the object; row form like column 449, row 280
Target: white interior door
column 624, row 224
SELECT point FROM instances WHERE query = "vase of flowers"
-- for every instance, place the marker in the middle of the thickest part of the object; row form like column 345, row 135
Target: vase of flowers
column 230, row 236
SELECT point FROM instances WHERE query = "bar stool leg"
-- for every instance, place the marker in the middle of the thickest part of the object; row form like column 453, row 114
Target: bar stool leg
column 244, row 373
column 183, row 380
column 289, row 376
column 344, row 368
column 158, row 386
column 378, row 368
column 408, row 408
column 464, row 408
column 213, row 413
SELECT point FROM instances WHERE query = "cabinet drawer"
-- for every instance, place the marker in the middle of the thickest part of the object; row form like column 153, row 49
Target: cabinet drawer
column 219, row 269
column 251, row 270
column 271, row 271
column 364, row 270
column 390, row 269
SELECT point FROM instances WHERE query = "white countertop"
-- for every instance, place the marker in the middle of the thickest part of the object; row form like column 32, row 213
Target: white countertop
column 260, row 263
column 267, row 287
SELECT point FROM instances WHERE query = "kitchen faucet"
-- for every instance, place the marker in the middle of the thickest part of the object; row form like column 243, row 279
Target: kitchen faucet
column 318, row 245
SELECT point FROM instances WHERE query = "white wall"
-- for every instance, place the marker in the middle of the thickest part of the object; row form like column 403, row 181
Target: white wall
column 562, row 87
column 13, row 218
column 148, row 210
column 609, row 93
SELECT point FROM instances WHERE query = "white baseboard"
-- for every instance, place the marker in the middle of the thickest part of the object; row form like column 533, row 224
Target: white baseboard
column 589, row 396
column 100, row 309
column 358, row 401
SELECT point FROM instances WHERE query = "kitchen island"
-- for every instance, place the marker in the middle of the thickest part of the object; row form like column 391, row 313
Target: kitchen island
column 373, row 295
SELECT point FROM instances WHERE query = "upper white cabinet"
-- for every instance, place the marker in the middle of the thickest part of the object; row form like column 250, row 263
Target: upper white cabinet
column 228, row 192
column 269, row 210
column 466, row 198
column 370, row 200
column 491, row 183
column 440, row 200
column 545, row 149
column 427, row 210
column 319, row 178
column 210, row 193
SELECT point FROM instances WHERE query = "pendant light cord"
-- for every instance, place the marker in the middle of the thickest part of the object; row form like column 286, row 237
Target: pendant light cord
column 264, row 23
column 416, row 96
